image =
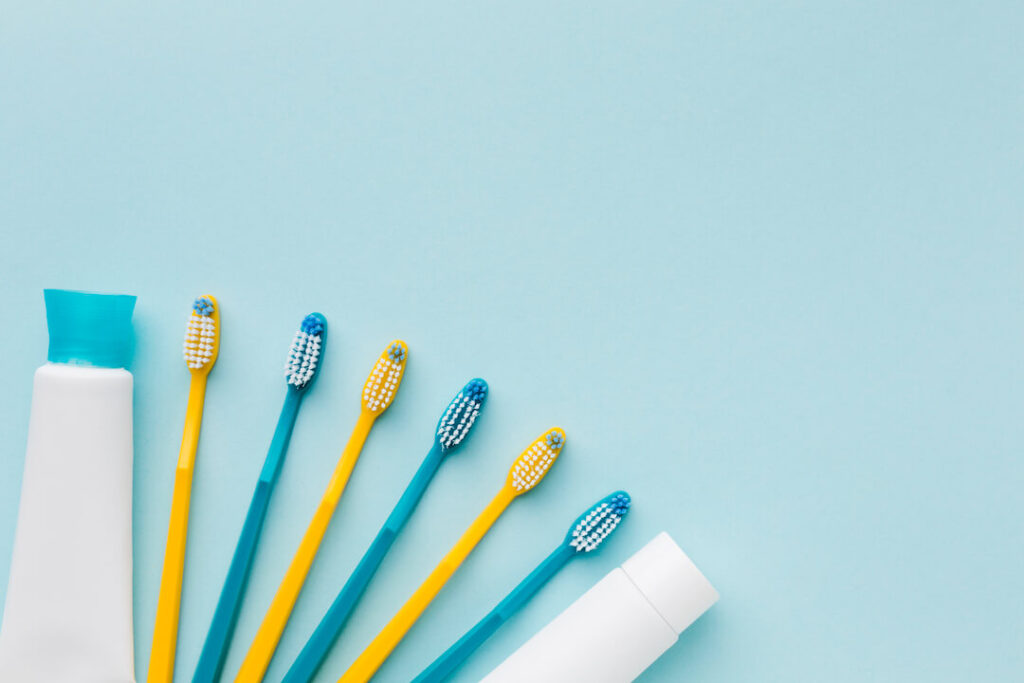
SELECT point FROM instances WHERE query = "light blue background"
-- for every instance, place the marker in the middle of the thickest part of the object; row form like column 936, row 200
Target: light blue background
column 761, row 260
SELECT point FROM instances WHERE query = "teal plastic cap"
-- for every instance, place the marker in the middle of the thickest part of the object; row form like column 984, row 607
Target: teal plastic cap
column 89, row 329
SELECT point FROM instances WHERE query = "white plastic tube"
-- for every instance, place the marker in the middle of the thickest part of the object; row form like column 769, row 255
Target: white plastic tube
column 68, row 609
column 618, row 628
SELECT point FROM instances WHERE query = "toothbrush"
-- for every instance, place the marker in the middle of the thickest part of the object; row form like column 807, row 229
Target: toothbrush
column 452, row 430
column 202, row 342
column 300, row 371
column 378, row 392
column 586, row 534
column 527, row 471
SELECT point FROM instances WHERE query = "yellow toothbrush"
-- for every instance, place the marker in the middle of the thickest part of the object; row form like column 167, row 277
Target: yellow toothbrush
column 527, row 471
column 202, row 341
column 378, row 392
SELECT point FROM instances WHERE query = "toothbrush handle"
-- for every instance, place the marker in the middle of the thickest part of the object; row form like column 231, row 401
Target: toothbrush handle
column 165, row 627
column 218, row 638
column 261, row 651
column 454, row 656
column 315, row 650
column 215, row 647
column 371, row 659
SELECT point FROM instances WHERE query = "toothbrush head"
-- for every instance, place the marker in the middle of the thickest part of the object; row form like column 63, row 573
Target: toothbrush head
column 202, row 335
column 531, row 466
column 381, row 385
column 304, row 356
column 597, row 523
column 457, row 421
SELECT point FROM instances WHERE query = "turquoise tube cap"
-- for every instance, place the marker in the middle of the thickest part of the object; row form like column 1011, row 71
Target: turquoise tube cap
column 89, row 329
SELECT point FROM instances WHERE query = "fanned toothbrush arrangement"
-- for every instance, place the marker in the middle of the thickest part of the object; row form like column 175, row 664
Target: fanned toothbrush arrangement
column 452, row 429
column 378, row 392
column 202, row 342
column 527, row 471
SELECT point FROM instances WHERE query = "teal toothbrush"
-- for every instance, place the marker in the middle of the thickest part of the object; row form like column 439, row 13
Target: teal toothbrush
column 300, row 370
column 585, row 536
column 452, row 429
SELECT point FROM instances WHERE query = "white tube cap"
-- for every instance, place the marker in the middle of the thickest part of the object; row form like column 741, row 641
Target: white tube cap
column 670, row 582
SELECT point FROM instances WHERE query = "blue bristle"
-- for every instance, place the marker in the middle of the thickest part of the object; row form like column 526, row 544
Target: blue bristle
column 312, row 324
column 476, row 390
column 460, row 415
column 620, row 503
column 203, row 306
column 555, row 441
column 396, row 353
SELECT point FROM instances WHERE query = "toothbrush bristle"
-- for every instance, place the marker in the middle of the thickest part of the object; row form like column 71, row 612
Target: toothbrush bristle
column 201, row 334
column 597, row 523
column 531, row 466
column 381, row 385
column 462, row 412
column 304, row 355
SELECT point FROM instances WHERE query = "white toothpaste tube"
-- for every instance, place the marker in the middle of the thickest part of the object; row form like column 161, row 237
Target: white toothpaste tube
column 68, row 608
column 618, row 628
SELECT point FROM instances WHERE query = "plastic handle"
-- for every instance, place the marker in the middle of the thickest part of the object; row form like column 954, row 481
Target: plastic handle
column 168, row 606
column 257, row 659
column 414, row 491
column 377, row 652
column 315, row 650
column 215, row 647
column 453, row 657
column 282, row 435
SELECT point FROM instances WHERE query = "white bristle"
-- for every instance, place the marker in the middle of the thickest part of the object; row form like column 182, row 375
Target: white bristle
column 302, row 358
column 382, row 383
column 200, row 337
column 532, row 465
column 457, row 421
column 595, row 527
